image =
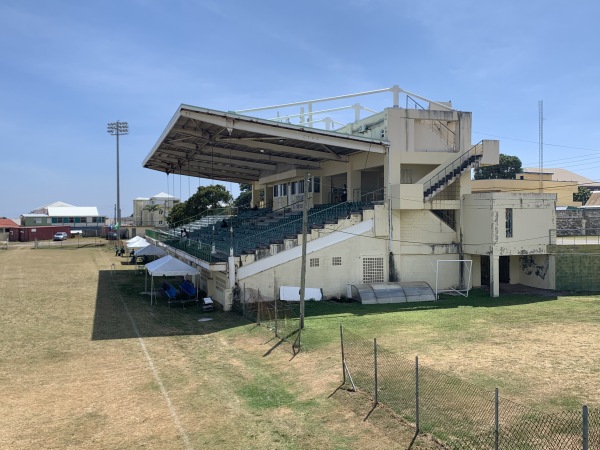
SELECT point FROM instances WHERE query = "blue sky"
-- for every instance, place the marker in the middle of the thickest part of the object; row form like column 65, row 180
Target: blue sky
column 69, row 68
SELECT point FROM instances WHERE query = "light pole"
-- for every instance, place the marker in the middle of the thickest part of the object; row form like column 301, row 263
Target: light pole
column 117, row 129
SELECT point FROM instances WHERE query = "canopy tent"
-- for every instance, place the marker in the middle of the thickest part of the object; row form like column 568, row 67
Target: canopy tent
column 169, row 267
column 151, row 250
column 137, row 242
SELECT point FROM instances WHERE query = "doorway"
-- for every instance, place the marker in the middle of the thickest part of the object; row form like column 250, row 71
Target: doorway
column 504, row 275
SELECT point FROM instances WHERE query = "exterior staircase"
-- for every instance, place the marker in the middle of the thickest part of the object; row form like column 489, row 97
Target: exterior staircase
column 447, row 175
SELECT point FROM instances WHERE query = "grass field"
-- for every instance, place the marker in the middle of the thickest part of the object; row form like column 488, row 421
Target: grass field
column 85, row 362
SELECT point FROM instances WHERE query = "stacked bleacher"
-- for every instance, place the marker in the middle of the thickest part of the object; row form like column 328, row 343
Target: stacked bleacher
column 255, row 229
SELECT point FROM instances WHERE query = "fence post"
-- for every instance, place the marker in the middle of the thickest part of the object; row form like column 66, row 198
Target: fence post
column 343, row 356
column 375, row 367
column 585, row 426
column 417, row 414
column 496, row 420
column 244, row 301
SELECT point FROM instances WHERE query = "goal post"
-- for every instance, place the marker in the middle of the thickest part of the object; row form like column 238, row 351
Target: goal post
column 444, row 265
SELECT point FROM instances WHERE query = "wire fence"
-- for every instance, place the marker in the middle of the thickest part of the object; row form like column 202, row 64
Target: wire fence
column 280, row 317
column 458, row 414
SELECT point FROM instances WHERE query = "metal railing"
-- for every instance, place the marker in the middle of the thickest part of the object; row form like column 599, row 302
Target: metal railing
column 444, row 176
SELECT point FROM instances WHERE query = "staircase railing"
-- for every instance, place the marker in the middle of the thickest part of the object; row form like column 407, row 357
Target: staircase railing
column 444, row 176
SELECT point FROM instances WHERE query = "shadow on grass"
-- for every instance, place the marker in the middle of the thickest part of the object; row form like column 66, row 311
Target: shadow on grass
column 118, row 297
column 120, row 292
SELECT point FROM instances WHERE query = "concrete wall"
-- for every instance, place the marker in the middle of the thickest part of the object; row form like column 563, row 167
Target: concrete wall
column 330, row 268
column 484, row 223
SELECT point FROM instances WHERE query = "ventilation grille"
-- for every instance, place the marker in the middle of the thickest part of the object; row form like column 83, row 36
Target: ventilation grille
column 372, row 270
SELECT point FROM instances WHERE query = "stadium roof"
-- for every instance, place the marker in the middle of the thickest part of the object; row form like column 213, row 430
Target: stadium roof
column 223, row 146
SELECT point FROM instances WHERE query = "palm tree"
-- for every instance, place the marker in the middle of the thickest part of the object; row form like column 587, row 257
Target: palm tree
column 151, row 208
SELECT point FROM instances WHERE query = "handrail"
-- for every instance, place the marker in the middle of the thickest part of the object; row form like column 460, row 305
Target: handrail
column 452, row 170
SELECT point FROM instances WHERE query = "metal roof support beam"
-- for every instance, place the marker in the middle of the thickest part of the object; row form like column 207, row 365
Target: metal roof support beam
column 252, row 125
column 299, row 151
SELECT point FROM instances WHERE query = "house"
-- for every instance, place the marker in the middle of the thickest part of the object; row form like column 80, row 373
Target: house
column 7, row 229
column 562, row 182
column 388, row 199
column 64, row 214
column 152, row 211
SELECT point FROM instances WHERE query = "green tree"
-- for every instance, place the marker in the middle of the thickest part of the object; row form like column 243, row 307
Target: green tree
column 583, row 195
column 507, row 169
column 205, row 198
column 244, row 200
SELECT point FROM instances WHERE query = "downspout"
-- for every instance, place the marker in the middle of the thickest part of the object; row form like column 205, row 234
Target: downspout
column 392, row 276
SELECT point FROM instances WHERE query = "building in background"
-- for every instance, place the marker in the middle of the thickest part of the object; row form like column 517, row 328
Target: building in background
column 564, row 183
column 153, row 211
column 64, row 214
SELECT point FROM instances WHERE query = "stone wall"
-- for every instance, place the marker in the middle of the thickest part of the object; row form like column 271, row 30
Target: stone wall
column 578, row 222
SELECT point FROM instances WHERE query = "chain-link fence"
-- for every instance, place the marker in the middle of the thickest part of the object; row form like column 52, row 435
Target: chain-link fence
column 458, row 414
column 281, row 317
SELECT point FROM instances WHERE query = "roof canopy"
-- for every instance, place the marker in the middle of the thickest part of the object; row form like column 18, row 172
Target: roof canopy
column 137, row 242
column 231, row 147
column 170, row 267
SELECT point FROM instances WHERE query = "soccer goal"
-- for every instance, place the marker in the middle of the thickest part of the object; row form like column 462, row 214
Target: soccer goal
column 444, row 266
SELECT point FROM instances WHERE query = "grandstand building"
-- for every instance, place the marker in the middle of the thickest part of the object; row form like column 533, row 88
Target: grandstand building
column 388, row 199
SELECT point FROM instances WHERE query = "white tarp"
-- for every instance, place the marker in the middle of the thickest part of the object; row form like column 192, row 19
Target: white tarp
column 169, row 267
column 292, row 293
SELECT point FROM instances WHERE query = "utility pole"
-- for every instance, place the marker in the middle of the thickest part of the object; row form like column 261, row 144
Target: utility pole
column 304, row 232
column 541, row 141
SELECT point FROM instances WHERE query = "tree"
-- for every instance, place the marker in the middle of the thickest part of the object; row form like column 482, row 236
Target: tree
column 151, row 208
column 583, row 195
column 507, row 169
column 205, row 198
column 244, row 200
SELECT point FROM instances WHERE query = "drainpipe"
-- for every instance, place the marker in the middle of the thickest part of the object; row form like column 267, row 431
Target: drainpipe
column 391, row 266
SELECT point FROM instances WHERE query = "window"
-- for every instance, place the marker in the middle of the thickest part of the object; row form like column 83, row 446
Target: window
column 316, row 184
column 314, row 262
column 509, row 222
column 83, row 219
column 280, row 190
column 37, row 221
column 336, row 261
column 59, row 220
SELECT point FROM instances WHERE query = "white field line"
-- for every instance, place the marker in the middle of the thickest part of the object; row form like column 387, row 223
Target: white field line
column 154, row 371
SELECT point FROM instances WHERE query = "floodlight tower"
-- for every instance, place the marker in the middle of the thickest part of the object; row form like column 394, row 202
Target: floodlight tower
column 118, row 129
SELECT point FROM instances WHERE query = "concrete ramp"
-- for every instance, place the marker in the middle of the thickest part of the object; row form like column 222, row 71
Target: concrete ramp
column 381, row 293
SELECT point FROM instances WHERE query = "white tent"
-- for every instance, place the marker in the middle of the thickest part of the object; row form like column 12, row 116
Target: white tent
column 137, row 242
column 169, row 267
column 151, row 250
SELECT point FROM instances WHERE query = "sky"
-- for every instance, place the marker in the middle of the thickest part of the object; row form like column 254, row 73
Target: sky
column 68, row 68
